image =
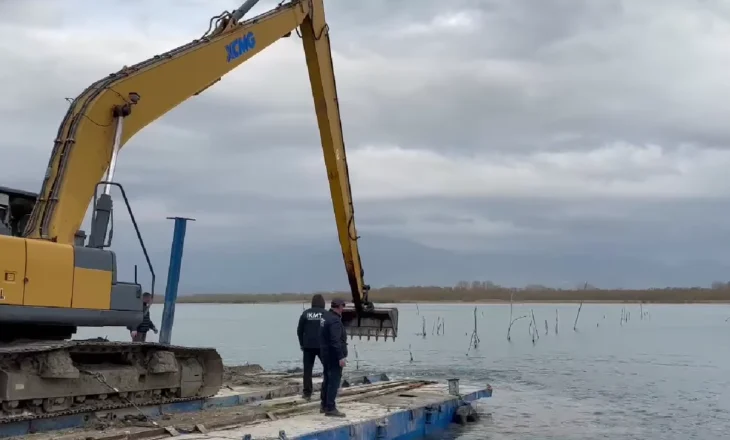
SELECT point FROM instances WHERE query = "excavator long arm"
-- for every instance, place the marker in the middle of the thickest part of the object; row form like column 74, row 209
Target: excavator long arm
column 111, row 111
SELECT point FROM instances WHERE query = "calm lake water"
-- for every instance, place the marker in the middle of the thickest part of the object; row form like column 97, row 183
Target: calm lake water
column 662, row 377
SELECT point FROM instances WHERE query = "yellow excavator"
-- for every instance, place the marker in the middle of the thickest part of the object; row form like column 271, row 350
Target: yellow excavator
column 53, row 280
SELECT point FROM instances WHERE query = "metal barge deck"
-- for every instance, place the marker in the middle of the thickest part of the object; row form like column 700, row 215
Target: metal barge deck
column 411, row 411
column 271, row 408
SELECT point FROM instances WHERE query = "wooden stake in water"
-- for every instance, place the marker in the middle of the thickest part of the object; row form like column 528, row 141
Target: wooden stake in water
column 474, row 341
column 577, row 315
column 357, row 358
column 476, row 332
column 438, row 326
column 423, row 328
column 535, row 332
column 509, row 328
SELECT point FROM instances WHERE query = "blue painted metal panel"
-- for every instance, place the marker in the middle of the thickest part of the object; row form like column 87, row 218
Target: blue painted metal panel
column 15, row 429
column 410, row 424
column 173, row 279
column 63, row 422
column 181, row 407
column 224, row 401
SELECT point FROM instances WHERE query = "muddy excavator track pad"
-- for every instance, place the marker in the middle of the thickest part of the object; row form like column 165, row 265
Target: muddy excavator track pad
column 49, row 378
column 374, row 323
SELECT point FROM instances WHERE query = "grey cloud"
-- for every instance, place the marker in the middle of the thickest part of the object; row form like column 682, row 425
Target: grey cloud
column 463, row 80
column 650, row 245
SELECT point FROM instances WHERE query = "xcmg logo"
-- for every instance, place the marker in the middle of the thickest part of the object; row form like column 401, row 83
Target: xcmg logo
column 240, row 46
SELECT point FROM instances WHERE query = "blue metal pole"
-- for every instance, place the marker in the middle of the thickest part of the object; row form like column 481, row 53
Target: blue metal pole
column 173, row 278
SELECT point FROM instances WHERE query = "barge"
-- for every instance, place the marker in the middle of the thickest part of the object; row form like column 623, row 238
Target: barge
column 259, row 405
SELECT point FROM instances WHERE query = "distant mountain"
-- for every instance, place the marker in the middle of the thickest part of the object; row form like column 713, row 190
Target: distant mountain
column 387, row 261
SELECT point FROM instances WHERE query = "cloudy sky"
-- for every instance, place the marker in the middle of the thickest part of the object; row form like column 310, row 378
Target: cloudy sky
column 551, row 142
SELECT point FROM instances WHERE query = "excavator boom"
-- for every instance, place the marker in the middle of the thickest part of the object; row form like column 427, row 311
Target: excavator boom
column 111, row 111
column 362, row 319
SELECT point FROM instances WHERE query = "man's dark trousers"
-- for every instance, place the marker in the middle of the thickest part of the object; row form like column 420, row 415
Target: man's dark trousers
column 332, row 378
column 309, row 355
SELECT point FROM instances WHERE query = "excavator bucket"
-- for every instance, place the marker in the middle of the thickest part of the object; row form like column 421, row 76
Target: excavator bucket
column 377, row 322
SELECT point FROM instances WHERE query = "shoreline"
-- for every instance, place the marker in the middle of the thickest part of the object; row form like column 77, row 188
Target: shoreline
column 481, row 295
column 467, row 302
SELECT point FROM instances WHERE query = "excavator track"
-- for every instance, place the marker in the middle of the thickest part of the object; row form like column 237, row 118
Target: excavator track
column 42, row 379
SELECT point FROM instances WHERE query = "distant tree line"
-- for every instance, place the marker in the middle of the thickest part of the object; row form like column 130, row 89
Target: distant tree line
column 476, row 291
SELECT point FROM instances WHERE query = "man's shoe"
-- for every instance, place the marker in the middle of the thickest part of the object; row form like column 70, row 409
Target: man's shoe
column 308, row 398
column 334, row 413
column 321, row 411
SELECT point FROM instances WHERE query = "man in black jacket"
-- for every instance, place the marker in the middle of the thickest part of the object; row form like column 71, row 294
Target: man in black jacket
column 333, row 352
column 139, row 334
column 308, row 334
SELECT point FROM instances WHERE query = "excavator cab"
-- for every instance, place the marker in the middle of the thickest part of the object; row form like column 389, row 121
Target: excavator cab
column 5, row 215
column 15, row 207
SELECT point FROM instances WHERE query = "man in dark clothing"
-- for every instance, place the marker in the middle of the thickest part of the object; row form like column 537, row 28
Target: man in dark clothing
column 308, row 334
column 139, row 334
column 333, row 353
